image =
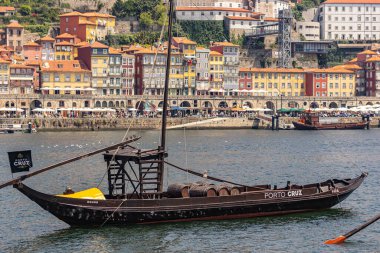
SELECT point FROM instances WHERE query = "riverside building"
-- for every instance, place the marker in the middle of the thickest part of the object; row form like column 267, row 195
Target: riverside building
column 351, row 20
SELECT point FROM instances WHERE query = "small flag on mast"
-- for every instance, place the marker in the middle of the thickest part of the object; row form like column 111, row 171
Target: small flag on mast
column 20, row 160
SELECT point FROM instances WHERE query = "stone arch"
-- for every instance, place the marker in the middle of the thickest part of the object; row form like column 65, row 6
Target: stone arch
column 74, row 104
column 248, row 104
column 270, row 105
column 223, row 104
column 161, row 104
column 333, row 105
column 98, row 104
column 111, row 104
column 360, row 103
column 35, row 104
column 48, row 104
column 207, row 104
column 122, row 104
column 10, row 104
column 117, row 104
column 369, row 103
column 104, row 104
column 293, row 104
column 314, row 105
column 234, row 104
column 185, row 104
column 61, row 103
column 86, row 103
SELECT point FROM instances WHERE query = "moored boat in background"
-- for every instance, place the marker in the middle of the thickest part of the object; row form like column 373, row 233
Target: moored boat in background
column 312, row 121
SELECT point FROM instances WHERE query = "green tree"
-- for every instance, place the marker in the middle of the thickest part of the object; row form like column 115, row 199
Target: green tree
column 146, row 20
column 25, row 10
column 118, row 9
column 160, row 14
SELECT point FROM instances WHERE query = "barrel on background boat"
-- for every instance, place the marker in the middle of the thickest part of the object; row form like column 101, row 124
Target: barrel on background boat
column 197, row 190
column 222, row 190
column 178, row 191
column 234, row 190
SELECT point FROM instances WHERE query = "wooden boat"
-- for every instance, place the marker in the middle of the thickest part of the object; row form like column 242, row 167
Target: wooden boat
column 142, row 171
column 311, row 121
column 252, row 201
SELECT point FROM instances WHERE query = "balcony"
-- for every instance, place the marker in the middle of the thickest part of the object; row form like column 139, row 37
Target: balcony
column 21, row 77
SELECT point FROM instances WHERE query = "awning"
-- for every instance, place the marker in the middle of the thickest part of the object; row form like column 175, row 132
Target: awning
column 11, row 109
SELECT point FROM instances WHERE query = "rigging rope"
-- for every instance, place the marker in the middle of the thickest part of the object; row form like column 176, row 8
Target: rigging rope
column 202, row 175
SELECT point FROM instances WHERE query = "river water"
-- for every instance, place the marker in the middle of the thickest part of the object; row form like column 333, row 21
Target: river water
column 246, row 156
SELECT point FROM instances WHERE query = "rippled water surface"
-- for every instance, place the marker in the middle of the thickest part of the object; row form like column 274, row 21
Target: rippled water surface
column 246, row 156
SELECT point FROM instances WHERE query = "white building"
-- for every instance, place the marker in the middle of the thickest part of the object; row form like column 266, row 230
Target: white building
column 209, row 13
column 203, row 76
column 245, row 25
column 270, row 7
column 213, row 3
column 350, row 20
column 309, row 30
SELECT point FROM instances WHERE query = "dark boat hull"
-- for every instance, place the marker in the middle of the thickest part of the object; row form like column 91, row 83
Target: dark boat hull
column 81, row 212
column 337, row 126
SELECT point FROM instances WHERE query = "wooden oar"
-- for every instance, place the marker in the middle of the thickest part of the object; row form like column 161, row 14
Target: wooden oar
column 342, row 238
column 21, row 178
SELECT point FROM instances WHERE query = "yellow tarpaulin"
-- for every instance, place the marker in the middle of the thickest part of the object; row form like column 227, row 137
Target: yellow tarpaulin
column 92, row 193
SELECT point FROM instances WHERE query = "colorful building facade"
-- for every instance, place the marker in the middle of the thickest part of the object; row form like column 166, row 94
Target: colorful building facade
column 65, row 77
column 88, row 26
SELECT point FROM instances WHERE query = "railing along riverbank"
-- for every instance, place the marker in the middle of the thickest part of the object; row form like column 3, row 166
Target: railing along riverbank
column 143, row 123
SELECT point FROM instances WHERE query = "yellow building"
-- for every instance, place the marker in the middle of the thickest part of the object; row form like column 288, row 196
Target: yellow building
column 187, row 48
column 176, row 77
column 4, row 76
column 216, row 63
column 64, row 50
column 96, row 56
column 277, row 81
column 341, row 82
column 65, row 77
column 89, row 26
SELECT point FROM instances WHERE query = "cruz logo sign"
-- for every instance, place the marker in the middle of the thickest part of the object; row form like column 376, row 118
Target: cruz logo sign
column 20, row 160
column 276, row 195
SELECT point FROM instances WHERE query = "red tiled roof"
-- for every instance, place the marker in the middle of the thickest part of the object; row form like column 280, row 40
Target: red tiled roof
column 97, row 44
column 32, row 44
column 20, row 66
column 183, row 40
column 64, row 66
column 14, row 24
column 114, row 50
column 65, row 36
column 224, row 44
column 368, row 52
column 6, row 8
column 47, row 38
column 86, row 14
column 215, row 53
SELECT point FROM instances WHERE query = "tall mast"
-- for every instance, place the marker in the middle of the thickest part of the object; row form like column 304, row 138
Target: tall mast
column 165, row 108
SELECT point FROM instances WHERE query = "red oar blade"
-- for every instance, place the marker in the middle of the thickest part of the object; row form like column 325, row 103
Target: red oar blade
column 339, row 239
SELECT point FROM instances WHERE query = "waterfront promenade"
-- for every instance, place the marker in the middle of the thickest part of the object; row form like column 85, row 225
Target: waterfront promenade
column 206, row 103
column 146, row 123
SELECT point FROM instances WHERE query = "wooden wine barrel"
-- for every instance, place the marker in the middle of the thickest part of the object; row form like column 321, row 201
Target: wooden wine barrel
column 222, row 190
column 178, row 191
column 202, row 191
column 234, row 190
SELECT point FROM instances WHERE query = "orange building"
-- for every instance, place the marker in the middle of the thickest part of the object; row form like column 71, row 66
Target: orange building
column 32, row 51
